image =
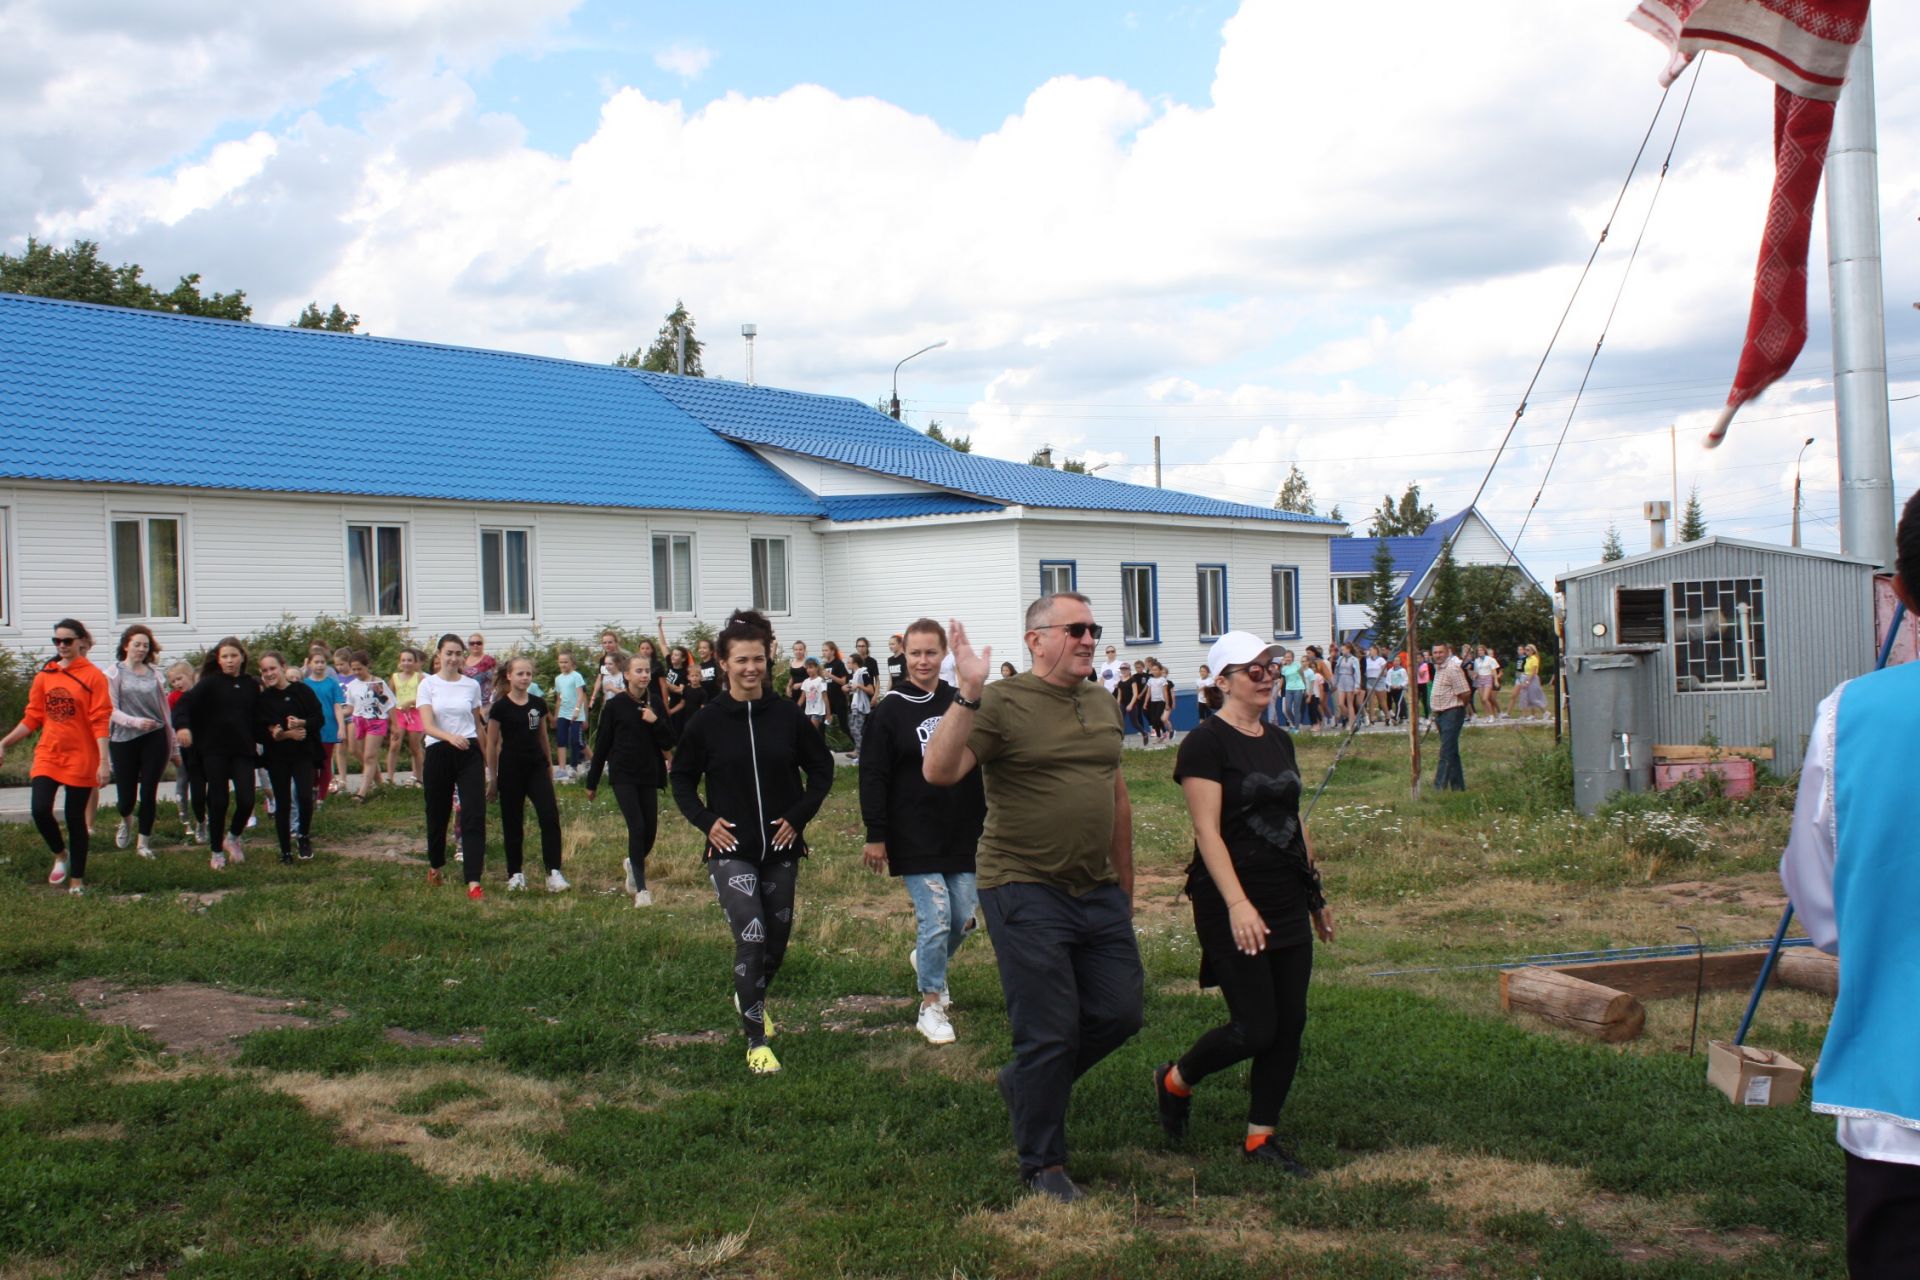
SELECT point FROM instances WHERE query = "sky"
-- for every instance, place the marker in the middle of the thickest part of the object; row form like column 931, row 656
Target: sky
column 1258, row 232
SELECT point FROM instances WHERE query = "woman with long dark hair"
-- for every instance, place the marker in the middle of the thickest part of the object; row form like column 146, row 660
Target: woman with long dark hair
column 749, row 750
column 71, row 708
column 141, row 741
column 289, row 718
column 450, row 713
column 520, row 762
column 627, row 748
column 219, row 716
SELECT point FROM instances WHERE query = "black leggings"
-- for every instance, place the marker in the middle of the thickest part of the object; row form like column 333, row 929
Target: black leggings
column 74, row 846
column 190, row 784
column 138, row 763
column 640, row 806
column 521, row 780
column 1267, row 1003
column 449, row 769
column 222, row 772
column 758, row 900
column 292, row 780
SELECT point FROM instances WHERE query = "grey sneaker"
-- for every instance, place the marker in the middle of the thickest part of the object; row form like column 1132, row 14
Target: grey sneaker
column 123, row 834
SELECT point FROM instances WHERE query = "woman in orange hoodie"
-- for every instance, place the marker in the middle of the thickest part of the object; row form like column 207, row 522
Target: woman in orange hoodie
column 71, row 708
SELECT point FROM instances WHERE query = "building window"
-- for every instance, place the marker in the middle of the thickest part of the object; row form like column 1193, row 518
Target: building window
column 376, row 581
column 769, row 574
column 673, row 572
column 1353, row 590
column 1286, row 601
column 1719, row 635
column 1057, row 576
column 1140, row 603
column 506, row 577
column 1640, row 615
column 146, row 568
column 1210, row 585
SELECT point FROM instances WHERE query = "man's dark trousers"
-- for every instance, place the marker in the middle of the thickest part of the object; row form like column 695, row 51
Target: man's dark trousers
column 1070, row 968
column 1450, row 776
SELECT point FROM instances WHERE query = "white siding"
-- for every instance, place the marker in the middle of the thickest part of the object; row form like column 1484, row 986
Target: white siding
column 828, row 480
column 1478, row 544
column 879, row 580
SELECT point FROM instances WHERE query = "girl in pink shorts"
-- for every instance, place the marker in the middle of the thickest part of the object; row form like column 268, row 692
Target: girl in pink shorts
column 406, row 723
column 371, row 702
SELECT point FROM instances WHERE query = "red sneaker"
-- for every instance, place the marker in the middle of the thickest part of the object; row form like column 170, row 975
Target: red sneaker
column 434, row 878
column 475, row 892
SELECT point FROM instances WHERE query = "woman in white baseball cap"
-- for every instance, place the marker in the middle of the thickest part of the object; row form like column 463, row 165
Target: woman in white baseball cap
column 1256, row 898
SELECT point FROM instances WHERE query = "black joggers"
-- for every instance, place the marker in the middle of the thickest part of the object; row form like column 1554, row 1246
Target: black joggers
column 521, row 781
column 222, row 772
column 1267, row 1011
column 758, row 901
column 72, row 847
column 640, row 806
column 292, row 780
column 137, row 766
column 449, row 769
column 1883, row 1218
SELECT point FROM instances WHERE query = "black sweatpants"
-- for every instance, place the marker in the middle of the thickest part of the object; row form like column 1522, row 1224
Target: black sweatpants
column 137, row 766
column 224, row 772
column 1070, row 969
column 190, row 783
column 1267, row 1010
column 1883, row 1219
column 448, row 768
column 758, row 900
column 522, row 780
column 291, row 777
column 73, row 847
column 640, row 806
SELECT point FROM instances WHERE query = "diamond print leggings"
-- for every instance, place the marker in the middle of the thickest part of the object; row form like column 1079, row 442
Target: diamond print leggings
column 758, row 900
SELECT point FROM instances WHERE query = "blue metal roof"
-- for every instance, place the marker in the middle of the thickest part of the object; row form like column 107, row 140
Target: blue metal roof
column 890, row 506
column 142, row 397
column 1411, row 555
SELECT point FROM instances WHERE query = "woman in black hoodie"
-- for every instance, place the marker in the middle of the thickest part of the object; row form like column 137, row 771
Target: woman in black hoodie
column 628, row 746
column 751, row 748
column 289, row 719
column 217, row 717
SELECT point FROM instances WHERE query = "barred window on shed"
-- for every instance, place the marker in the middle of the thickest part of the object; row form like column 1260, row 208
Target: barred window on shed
column 1719, row 635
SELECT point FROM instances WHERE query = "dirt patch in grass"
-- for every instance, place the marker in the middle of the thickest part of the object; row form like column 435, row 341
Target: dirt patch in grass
column 681, row 1039
column 909, row 1057
column 474, row 1134
column 858, row 1014
column 378, row 847
column 109, row 1132
column 187, row 1017
column 427, row 1040
column 1045, row 1233
column 708, row 1256
column 380, row 1241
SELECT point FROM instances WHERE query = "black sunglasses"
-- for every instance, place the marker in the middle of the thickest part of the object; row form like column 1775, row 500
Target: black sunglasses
column 1078, row 630
column 66, row 639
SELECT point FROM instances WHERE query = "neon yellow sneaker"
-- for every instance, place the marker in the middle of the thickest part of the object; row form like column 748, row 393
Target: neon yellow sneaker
column 761, row 1062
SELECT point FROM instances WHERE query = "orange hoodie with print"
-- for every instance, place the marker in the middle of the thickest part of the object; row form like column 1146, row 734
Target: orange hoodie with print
column 72, row 708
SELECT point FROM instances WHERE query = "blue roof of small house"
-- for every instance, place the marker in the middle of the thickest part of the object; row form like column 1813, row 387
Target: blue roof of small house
column 894, row 506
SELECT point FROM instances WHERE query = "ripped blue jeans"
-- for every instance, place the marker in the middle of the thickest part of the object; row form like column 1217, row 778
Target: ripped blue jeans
column 943, row 907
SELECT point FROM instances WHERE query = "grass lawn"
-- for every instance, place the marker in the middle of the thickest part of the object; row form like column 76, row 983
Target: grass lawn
column 554, row 1086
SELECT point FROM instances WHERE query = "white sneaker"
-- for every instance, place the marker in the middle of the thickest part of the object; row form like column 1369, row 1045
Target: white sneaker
column 934, row 1024
column 236, row 852
column 557, row 883
column 642, row 897
column 77, row 889
column 123, row 834
column 253, row 820
column 146, row 849
column 633, row 886
column 59, row 873
column 516, row 881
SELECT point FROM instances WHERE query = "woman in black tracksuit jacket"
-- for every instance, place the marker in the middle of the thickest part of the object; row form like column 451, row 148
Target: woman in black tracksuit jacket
column 628, row 746
column 289, row 718
column 217, row 717
column 751, row 749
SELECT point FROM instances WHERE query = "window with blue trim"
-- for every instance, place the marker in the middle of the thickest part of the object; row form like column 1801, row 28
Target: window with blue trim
column 1286, row 601
column 1057, row 576
column 1140, row 603
column 1210, row 588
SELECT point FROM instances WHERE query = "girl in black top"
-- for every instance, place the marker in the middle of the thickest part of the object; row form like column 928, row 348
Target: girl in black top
column 1255, row 888
column 896, row 661
column 833, row 665
column 629, row 747
column 709, row 665
column 217, row 717
column 520, row 769
column 679, row 662
column 796, row 674
column 288, row 716
column 750, row 749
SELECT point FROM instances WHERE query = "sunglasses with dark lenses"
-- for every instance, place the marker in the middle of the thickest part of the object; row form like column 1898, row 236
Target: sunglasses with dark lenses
column 66, row 639
column 1258, row 672
column 1078, row 630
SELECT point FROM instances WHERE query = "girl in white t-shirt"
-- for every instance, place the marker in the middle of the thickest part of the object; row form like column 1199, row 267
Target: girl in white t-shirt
column 450, row 715
column 813, row 692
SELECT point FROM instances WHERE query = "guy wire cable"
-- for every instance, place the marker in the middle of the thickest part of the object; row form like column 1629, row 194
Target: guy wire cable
column 1580, row 283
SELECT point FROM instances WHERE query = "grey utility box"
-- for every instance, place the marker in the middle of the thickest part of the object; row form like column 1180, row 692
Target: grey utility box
column 1612, row 714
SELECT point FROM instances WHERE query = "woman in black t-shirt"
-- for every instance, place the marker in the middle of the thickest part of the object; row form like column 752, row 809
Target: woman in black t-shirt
column 1256, row 898
column 520, row 764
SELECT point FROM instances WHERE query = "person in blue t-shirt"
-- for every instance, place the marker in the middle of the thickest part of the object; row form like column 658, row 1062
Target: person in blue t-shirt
column 333, row 702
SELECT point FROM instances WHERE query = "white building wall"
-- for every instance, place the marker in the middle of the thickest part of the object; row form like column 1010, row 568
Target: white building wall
column 248, row 558
column 878, row 580
column 1478, row 544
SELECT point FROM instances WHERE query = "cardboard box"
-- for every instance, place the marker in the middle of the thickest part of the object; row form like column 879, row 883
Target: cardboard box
column 1753, row 1077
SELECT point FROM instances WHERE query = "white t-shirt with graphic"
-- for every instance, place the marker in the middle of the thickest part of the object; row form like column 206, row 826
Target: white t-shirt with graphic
column 815, row 687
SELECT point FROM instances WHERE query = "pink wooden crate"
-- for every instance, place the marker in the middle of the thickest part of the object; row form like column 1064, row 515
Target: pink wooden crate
column 1736, row 776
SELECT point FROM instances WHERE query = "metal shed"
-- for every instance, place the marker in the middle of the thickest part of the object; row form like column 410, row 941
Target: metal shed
column 1731, row 640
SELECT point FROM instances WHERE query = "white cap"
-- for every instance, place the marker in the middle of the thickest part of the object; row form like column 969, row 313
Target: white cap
column 1238, row 649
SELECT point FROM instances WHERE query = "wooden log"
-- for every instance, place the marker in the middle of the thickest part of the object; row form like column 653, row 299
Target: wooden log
column 1664, row 977
column 1697, row 754
column 1808, row 970
column 1574, row 1003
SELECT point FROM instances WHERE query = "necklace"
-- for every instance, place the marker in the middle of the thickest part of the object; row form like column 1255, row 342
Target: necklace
column 1257, row 731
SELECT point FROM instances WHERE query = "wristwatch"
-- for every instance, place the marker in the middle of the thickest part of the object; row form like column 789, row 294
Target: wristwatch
column 962, row 700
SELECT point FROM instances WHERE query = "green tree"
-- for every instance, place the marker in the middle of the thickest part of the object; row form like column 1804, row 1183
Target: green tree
column 1405, row 517
column 959, row 444
column 1383, row 610
column 337, row 320
column 1043, row 457
column 1504, row 609
column 1076, row 465
column 79, row 274
column 659, row 358
column 1611, row 548
column 1693, row 525
column 1446, row 606
column 1294, row 495
column 1335, row 514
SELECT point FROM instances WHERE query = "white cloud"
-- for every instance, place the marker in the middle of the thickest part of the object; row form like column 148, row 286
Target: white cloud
column 688, row 61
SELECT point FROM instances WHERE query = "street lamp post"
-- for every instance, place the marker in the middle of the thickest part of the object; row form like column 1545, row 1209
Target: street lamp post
column 1796, row 490
column 895, row 409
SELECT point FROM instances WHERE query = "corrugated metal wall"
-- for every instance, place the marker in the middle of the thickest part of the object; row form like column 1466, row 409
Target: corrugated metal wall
column 1819, row 624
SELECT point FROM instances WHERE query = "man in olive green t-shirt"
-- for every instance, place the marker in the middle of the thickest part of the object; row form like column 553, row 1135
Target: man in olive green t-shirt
column 1055, row 866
